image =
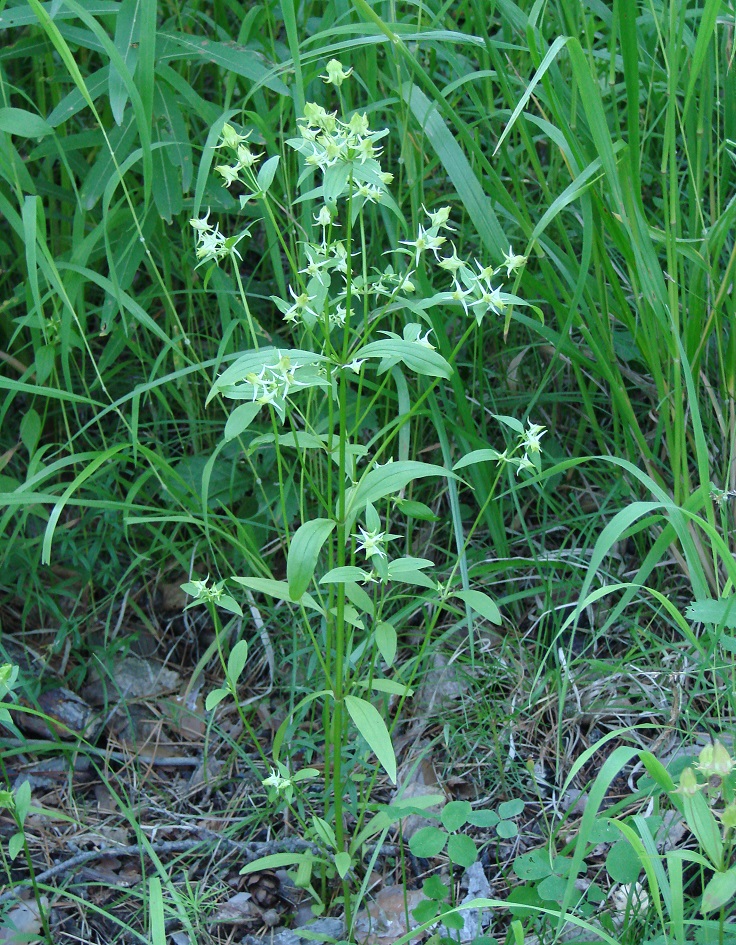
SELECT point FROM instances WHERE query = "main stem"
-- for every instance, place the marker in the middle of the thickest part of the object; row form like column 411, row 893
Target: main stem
column 338, row 719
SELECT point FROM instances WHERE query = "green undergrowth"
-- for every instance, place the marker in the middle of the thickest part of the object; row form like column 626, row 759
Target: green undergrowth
column 453, row 394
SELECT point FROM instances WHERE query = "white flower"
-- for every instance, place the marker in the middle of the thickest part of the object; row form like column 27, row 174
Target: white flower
column 461, row 296
column 372, row 543
column 439, row 218
column 372, row 193
column 488, row 300
column 524, row 463
column 512, row 262
column 324, row 217
column 277, row 781
column 485, row 272
column 452, row 263
column 356, row 364
column 231, row 138
column 300, row 306
column 211, row 245
column 201, row 225
column 246, row 158
column 338, row 315
column 228, row 173
column 530, row 438
column 425, row 240
column 336, row 75
column 358, row 124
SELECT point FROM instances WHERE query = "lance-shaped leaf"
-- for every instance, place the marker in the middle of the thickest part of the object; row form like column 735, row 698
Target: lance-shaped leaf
column 371, row 726
column 417, row 357
column 279, row 590
column 304, row 552
column 481, row 603
column 387, row 480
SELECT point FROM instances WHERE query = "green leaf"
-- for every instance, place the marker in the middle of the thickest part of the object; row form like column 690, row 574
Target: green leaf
column 622, row 863
column 510, row 808
column 267, row 173
column 23, row 801
column 343, row 863
column 411, row 805
column 275, row 861
column 30, row 430
column 511, row 422
column 417, row 357
column 304, row 550
column 230, row 56
column 428, row 842
column 533, row 865
column 456, row 814
column 386, row 640
column 477, row 456
column 482, row 604
column 462, row 850
column 387, row 480
column 214, row 698
column 483, row 818
column 325, row 832
column 434, row 888
column 703, row 824
column 418, row 510
column 506, row 829
column 15, row 844
column 25, row 124
column 552, row 888
column 425, row 911
column 277, row 589
column 451, row 918
column 228, row 603
column 720, row 890
column 127, row 40
column 156, row 911
column 721, row 612
column 390, row 686
column 604, row 832
column 371, row 726
column 236, row 660
column 167, row 193
column 343, row 575
column 470, row 190
column 240, row 419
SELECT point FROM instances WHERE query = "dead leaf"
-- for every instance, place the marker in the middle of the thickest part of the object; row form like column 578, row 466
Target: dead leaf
column 239, row 910
column 384, row 920
column 22, row 922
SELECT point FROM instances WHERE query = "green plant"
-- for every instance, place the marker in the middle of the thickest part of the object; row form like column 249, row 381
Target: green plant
column 462, row 851
column 341, row 489
column 18, row 803
column 704, row 799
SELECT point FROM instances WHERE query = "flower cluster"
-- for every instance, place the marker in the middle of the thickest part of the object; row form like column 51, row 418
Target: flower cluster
column 342, row 151
column 274, row 382
column 212, row 245
column 243, row 158
column 475, row 291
